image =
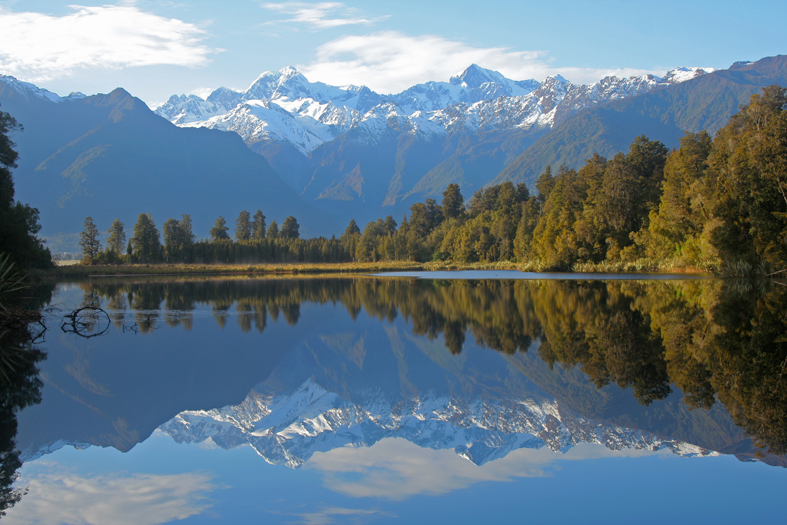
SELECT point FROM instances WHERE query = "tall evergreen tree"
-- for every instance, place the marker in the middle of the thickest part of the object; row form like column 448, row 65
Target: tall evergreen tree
column 88, row 241
column 219, row 230
column 258, row 226
column 243, row 226
column 187, row 230
column 117, row 237
column 352, row 228
column 290, row 228
column 146, row 241
column 273, row 230
column 544, row 185
column 177, row 242
column 453, row 202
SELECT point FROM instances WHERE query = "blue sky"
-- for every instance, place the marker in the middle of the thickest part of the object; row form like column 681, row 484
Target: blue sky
column 156, row 48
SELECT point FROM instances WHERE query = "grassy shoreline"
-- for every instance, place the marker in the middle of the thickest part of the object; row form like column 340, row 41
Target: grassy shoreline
column 81, row 271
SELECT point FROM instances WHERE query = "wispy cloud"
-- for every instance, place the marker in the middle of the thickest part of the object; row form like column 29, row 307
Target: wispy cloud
column 323, row 15
column 390, row 62
column 331, row 515
column 141, row 499
column 39, row 47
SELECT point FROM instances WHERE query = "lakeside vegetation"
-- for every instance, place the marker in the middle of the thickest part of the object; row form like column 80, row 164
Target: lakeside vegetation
column 713, row 205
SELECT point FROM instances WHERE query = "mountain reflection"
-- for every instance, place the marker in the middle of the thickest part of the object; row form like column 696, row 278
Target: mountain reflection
column 364, row 380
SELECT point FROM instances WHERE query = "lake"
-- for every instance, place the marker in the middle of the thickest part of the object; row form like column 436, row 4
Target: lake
column 450, row 397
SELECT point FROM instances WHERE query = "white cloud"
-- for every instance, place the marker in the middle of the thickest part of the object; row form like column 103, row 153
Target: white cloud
column 140, row 499
column 331, row 515
column 38, row 47
column 389, row 62
column 323, row 15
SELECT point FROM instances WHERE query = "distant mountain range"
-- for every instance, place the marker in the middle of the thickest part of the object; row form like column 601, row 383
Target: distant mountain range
column 354, row 151
column 109, row 156
column 342, row 152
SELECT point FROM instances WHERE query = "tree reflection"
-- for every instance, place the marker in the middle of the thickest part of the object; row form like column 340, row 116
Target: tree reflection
column 20, row 385
column 714, row 340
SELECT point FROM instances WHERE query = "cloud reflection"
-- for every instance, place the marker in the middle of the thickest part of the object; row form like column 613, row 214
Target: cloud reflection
column 330, row 515
column 396, row 469
column 61, row 496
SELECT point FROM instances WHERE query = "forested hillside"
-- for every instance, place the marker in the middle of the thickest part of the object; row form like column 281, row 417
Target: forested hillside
column 712, row 204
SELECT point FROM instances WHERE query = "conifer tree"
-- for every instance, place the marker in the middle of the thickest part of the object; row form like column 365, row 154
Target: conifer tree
column 290, row 228
column 146, row 241
column 177, row 242
column 544, row 185
column 219, row 230
column 258, row 226
column 187, row 231
column 273, row 230
column 243, row 226
column 88, row 241
column 453, row 202
column 352, row 228
column 117, row 237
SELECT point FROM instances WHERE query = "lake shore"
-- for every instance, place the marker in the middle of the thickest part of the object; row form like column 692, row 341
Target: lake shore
column 79, row 270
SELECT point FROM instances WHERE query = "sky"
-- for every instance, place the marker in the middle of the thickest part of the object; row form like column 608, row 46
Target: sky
column 157, row 48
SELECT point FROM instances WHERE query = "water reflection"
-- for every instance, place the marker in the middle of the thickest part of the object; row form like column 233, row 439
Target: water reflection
column 714, row 340
column 63, row 496
column 417, row 375
column 20, row 386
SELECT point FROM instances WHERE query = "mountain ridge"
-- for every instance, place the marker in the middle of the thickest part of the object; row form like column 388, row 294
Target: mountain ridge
column 110, row 156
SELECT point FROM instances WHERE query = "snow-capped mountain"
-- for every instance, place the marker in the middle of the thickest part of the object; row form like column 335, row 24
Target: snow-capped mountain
column 27, row 89
column 284, row 106
column 289, row 428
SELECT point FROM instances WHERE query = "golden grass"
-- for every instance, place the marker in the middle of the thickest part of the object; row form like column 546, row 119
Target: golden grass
column 227, row 269
column 77, row 271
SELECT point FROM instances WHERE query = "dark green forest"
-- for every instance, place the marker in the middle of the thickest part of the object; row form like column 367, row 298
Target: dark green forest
column 714, row 204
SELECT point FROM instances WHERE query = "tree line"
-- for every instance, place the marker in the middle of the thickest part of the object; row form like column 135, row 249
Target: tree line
column 253, row 241
column 717, row 204
column 714, row 203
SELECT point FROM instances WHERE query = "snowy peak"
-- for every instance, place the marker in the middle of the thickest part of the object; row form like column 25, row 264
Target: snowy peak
column 307, row 114
column 682, row 74
column 474, row 84
column 30, row 90
column 476, row 76
column 285, row 83
column 225, row 97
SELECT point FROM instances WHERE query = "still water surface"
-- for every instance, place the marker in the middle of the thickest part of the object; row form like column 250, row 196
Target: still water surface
column 474, row 399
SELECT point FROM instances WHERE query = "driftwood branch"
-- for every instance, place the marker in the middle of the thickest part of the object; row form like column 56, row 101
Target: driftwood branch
column 77, row 321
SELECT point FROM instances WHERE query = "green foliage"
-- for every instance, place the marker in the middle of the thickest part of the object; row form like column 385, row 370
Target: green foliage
column 714, row 205
column 117, row 237
column 273, row 230
column 453, row 202
column 290, row 229
column 243, row 226
column 219, row 232
column 146, row 241
column 258, row 226
column 18, row 222
column 88, row 241
column 178, row 239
